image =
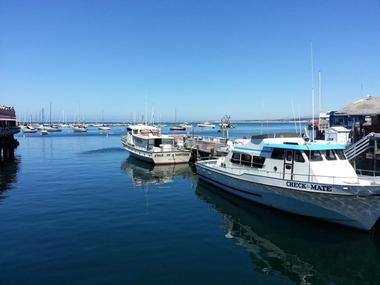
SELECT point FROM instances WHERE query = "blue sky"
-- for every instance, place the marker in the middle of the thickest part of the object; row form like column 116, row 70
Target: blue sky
column 249, row 59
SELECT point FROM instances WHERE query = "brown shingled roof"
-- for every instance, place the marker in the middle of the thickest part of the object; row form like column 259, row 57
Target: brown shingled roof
column 365, row 106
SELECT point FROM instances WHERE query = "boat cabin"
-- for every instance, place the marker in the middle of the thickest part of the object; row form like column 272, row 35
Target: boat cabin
column 292, row 158
column 148, row 137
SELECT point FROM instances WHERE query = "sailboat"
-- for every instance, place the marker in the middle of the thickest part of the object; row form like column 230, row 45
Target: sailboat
column 79, row 127
column 177, row 127
column 103, row 127
column 51, row 128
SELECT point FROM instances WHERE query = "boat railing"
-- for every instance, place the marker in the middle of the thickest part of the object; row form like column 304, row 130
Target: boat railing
column 205, row 142
column 325, row 179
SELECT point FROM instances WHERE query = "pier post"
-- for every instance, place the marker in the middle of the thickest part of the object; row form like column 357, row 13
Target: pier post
column 374, row 155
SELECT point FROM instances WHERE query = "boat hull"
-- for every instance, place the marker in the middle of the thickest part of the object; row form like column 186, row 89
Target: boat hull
column 360, row 212
column 159, row 158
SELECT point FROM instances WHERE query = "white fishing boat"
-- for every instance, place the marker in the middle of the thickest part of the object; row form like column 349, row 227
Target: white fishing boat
column 312, row 179
column 147, row 143
column 206, row 125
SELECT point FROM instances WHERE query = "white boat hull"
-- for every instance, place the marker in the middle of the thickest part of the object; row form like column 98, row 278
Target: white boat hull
column 360, row 212
column 172, row 157
column 79, row 130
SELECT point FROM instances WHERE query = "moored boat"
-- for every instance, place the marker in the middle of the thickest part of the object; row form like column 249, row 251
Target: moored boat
column 29, row 130
column 177, row 128
column 52, row 129
column 292, row 174
column 206, row 125
column 147, row 143
column 79, row 128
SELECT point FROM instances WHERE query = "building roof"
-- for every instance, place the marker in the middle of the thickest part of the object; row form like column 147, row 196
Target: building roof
column 365, row 106
column 338, row 129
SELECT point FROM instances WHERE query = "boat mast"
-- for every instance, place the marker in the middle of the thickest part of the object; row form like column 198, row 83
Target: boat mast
column 50, row 113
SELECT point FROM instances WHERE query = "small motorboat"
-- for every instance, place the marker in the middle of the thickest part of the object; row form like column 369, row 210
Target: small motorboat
column 178, row 128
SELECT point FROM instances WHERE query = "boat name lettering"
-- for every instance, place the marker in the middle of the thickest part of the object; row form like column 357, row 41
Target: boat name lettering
column 321, row 187
column 325, row 188
column 296, row 185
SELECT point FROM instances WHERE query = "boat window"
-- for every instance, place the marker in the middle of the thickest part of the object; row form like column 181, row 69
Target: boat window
column 135, row 131
column 315, row 155
column 246, row 159
column 235, row 157
column 258, row 161
column 157, row 142
column 298, row 156
column 289, row 155
column 340, row 154
column 329, row 154
column 278, row 153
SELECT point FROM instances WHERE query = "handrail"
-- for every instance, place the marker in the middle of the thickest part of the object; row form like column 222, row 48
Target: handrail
column 358, row 147
column 355, row 180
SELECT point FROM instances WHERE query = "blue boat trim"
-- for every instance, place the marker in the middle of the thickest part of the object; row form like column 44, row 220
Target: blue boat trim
column 305, row 147
column 251, row 149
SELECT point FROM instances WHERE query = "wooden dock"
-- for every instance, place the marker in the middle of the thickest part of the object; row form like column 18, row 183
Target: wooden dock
column 206, row 147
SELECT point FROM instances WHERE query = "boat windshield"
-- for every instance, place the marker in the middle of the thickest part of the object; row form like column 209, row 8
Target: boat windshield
column 340, row 154
column 315, row 155
column 329, row 154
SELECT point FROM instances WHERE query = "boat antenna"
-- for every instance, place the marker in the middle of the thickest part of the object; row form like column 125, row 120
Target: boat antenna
column 299, row 120
column 146, row 111
column 312, row 90
column 294, row 118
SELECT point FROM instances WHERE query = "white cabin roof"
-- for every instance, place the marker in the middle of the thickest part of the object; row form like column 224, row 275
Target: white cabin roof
column 143, row 127
column 293, row 143
column 338, row 129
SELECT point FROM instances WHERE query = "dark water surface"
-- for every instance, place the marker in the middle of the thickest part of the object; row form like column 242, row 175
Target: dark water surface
column 74, row 209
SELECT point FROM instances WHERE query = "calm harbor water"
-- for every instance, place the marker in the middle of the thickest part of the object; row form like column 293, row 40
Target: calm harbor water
column 75, row 209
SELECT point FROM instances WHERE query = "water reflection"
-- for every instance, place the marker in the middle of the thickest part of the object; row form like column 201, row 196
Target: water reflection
column 306, row 252
column 9, row 165
column 143, row 173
